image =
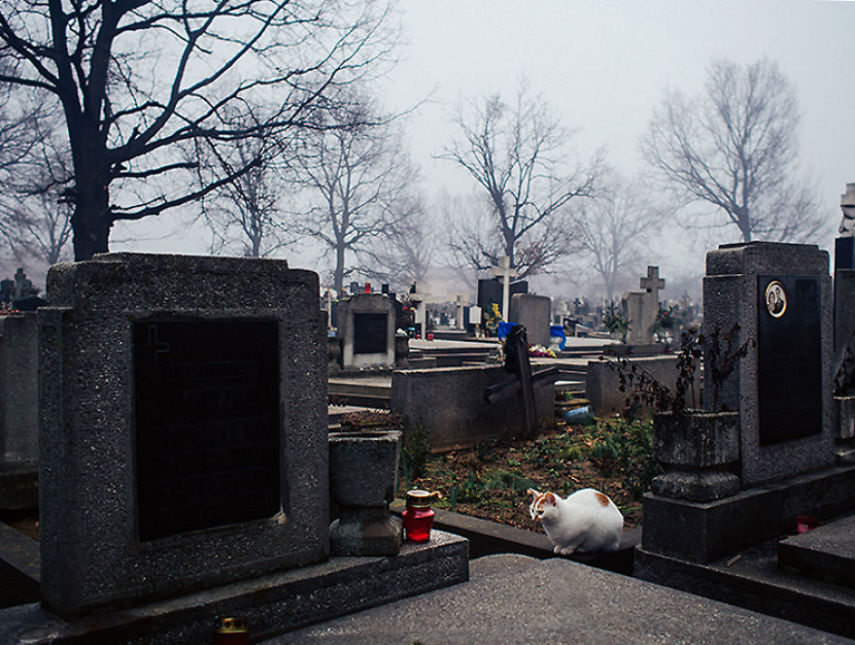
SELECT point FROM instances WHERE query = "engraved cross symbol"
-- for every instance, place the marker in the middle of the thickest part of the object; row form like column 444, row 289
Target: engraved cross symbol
column 157, row 347
column 652, row 283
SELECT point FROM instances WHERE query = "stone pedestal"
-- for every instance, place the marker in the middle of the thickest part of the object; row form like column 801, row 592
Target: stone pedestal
column 696, row 450
column 363, row 470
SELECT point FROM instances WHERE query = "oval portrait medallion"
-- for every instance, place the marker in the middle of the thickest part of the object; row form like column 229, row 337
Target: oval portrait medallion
column 776, row 299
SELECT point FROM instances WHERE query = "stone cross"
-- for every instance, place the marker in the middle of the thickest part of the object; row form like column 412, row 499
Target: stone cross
column 504, row 272
column 652, row 283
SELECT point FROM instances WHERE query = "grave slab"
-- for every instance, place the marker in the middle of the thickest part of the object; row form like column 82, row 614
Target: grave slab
column 269, row 604
column 826, row 552
column 556, row 601
column 752, row 579
column 532, row 312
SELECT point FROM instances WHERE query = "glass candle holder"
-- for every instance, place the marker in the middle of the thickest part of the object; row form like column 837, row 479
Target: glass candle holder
column 418, row 516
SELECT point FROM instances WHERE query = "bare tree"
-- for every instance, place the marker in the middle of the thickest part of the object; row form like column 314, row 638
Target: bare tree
column 35, row 169
column 613, row 229
column 137, row 80
column 735, row 148
column 362, row 183
column 517, row 154
column 404, row 255
column 246, row 213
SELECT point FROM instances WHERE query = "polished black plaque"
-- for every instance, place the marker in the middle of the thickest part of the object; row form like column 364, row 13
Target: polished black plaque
column 370, row 333
column 207, row 424
column 789, row 370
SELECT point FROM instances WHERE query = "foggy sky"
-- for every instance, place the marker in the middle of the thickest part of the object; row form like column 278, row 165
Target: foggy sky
column 603, row 65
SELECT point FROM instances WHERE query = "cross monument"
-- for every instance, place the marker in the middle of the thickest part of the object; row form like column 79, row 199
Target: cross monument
column 504, row 272
column 652, row 283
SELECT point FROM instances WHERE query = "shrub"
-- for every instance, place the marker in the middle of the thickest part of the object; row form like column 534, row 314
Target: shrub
column 625, row 450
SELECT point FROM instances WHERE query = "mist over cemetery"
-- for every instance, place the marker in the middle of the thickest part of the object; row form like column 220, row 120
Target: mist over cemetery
column 364, row 409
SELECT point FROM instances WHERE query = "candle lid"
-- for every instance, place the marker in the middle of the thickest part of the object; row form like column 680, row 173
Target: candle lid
column 232, row 626
column 419, row 498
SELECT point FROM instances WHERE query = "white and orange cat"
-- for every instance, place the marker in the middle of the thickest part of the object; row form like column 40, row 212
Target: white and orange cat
column 585, row 521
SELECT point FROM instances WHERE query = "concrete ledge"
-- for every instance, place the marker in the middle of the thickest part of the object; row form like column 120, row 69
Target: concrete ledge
column 19, row 486
column 271, row 604
column 826, row 553
column 19, row 567
column 491, row 538
column 556, row 601
column 753, row 581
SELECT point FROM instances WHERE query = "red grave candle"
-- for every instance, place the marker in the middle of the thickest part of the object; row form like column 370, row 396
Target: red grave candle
column 418, row 516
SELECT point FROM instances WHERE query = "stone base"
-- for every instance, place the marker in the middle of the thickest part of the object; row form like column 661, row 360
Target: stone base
column 698, row 486
column 365, row 531
column 19, row 486
column 270, row 605
column 703, row 531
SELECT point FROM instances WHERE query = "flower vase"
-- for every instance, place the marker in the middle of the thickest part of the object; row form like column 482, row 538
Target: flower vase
column 363, row 471
column 698, row 450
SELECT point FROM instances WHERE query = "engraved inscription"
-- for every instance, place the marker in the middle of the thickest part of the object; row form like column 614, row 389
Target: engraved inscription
column 207, row 424
column 370, row 333
column 789, row 374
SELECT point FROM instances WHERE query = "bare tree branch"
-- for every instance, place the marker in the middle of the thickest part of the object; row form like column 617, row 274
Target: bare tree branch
column 361, row 184
column 613, row 229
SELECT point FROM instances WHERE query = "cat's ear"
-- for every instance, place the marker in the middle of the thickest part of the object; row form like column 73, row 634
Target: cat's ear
column 549, row 498
column 531, row 491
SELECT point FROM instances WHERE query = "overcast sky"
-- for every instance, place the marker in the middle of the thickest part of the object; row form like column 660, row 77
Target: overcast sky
column 603, row 65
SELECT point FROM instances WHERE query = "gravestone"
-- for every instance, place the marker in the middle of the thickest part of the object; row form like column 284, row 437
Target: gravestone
column 19, row 423
column 844, row 275
column 367, row 331
column 780, row 296
column 183, row 427
column 641, row 307
column 19, row 427
column 844, row 330
column 780, row 445
column 532, row 312
column 490, row 293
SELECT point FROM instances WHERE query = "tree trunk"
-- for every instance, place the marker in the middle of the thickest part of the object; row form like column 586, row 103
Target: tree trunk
column 91, row 222
column 338, row 274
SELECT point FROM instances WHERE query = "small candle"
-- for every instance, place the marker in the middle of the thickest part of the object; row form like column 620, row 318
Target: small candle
column 418, row 516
